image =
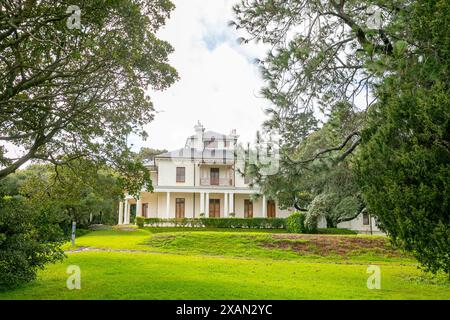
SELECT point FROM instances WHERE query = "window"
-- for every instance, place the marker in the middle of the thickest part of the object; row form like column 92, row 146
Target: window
column 179, row 208
column 214, row 176
column 226, row 143
column 366, row 219
column 248, row 208
column 181, row 174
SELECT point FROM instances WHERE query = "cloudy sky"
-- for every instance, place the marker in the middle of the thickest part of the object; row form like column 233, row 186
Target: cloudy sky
column 219, row 82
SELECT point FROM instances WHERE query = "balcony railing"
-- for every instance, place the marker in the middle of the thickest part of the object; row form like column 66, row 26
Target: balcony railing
column 216, row 182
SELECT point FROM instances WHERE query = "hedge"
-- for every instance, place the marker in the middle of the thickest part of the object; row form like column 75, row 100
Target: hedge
column 336, row 231
column 254, row 223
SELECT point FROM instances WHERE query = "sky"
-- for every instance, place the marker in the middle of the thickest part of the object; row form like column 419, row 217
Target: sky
column 219, row 82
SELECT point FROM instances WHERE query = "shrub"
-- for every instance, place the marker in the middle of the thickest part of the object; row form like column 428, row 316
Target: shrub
column 29, row 239
column 140, row 221
column 295, row 222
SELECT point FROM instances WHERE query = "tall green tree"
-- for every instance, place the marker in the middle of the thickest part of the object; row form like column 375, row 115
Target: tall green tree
column 67, row 92
column 389, row 58
column 404, row 165
column 74, row 83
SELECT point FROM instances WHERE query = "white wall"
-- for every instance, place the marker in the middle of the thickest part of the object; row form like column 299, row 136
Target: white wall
column 167, row 172
column 357, row 225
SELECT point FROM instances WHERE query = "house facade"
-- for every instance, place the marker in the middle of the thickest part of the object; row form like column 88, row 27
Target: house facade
column 203, row 179
column 200, row 179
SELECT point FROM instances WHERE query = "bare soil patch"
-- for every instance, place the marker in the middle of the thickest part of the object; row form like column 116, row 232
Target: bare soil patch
column 325, row 245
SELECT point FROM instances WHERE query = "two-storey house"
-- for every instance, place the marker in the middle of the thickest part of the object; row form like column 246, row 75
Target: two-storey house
column 200, row 179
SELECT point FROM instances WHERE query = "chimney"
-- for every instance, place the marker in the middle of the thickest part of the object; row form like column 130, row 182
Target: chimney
column 199, row 129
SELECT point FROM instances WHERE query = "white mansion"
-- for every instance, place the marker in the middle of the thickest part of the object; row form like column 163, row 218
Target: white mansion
column 203, row 179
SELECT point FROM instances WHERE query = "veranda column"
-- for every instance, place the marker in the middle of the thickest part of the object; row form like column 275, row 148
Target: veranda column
column 207, row 205
column 231, row 208
column 225, row 205
column 120, row 213
column 139, row 207
column 202, row 202
column 264, row 206
column 126, row 219
column 168, row 205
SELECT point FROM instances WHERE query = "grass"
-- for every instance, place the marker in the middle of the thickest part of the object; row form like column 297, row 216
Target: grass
column 180, row 263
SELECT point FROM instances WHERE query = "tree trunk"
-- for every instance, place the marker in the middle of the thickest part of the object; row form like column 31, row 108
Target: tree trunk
column 331, row 223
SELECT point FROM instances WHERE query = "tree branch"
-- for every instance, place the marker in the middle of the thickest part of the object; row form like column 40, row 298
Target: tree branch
column 337, row 148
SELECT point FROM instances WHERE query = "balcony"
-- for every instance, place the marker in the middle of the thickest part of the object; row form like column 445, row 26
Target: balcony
column 225, row 182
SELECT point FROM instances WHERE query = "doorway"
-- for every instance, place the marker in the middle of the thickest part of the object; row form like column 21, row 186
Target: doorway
column 179, row 208
column 271, row 209
column 214, row 208
column 248, row 208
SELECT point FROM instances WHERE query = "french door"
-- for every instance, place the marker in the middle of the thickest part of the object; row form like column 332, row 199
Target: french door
column 271, row 209
column 179, row 208
column 248, row 208
column 214, row 176
column 214, row 208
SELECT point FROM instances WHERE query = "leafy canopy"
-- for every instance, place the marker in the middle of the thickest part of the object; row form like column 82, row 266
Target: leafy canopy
column 68, row 93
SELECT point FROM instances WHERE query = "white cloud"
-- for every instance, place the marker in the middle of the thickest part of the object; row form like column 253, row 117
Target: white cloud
column 218, row 83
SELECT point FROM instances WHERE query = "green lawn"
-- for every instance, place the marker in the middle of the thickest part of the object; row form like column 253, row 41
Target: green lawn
column 177, row 263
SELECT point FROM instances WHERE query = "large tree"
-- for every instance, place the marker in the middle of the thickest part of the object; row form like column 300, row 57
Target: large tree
column 68, row 92
column 71, row 94
column 404, row 162
column 388, row 58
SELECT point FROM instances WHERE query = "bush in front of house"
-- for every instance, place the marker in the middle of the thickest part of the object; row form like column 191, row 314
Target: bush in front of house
column 296, row 223
column 140, row 221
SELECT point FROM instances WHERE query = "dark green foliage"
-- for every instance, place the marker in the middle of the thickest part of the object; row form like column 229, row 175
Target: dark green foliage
column 140, row 221
column 404, row 163
column 405, row 171
column 325, row 52
column 70, row 93
column 253, row 223
column 37, row 207
column 29, row 239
